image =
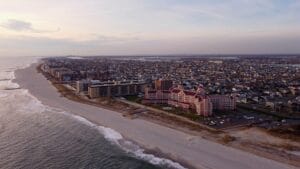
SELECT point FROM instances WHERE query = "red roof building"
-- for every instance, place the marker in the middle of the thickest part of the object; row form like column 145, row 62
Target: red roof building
column 197, row 100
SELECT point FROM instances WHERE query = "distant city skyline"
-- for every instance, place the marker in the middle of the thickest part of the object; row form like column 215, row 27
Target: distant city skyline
column 136, row 27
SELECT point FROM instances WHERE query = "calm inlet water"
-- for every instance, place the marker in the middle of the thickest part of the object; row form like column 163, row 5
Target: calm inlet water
column 33, row 135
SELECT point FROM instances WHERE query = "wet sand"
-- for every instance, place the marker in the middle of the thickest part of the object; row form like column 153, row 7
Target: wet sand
column 194, row 150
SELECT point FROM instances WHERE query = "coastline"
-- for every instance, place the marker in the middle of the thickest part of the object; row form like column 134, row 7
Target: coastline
column 180, row 146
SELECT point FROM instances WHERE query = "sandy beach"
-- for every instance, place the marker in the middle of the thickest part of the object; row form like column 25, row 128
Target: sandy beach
column 193, row 150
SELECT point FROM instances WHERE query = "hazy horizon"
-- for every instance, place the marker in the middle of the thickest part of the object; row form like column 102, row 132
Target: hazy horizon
column 132, row 27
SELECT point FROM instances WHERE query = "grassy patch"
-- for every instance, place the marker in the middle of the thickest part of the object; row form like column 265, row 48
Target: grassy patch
column 181, row 112
column 135, row 99
column 289, row 132
column 227, row 139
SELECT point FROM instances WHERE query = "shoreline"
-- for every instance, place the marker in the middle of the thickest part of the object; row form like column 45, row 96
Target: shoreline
column 179, row 146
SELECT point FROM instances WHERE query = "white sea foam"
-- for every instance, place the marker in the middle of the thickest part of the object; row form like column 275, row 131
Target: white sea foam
column 117, row 139
column 34, row 106
column 27, row 103
column 20, row 101
column 6, row 83
column 16, row 100
column 156, row 160
column 7, row 75
column 2, row 95
column 82, row 120
column 110, row 134
column 9, row 85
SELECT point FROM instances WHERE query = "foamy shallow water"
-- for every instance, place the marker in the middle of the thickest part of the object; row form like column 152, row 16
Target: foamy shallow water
column 2, row 95
column 116, row 138
column 39, row 128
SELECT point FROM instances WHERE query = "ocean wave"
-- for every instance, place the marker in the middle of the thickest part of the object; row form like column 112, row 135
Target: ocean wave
column 2, row 95
column 34, row 106
column 26, row 102
column 9, row 85
column 140, row 153
column 7, row 77
column 81, row 119
column 11, row 88
column 6, row 81
column 117, row 139
column 110, row 134
column 12, row 96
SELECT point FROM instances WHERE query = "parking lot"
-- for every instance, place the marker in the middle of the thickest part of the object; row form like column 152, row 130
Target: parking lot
column 242, row 118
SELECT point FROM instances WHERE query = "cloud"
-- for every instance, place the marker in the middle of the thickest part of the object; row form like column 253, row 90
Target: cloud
column 46, row 46
column 19, row 26
column 42, row 46
column 113, row 39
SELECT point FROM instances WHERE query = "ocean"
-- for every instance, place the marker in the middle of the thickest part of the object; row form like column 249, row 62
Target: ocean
column 34, row 136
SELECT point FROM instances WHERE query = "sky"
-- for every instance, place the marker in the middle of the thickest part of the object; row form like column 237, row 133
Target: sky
column 150, row 27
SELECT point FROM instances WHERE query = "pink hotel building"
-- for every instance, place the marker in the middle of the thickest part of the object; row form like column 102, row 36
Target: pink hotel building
column 195, row 100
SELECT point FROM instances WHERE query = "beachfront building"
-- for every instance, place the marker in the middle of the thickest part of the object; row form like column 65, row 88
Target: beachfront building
column 156, row 96
column 178, row 97
column 60, row 74
column 160, row 94
column 162, row 84
column 82, row 86
column 223, row 102
column 203, row 105
column 116, row 89
column 196, row 100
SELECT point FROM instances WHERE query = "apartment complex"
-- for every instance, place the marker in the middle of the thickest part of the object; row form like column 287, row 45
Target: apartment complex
column 156, row 96
column 161, row 84
column 223, row 102
column 116, row 89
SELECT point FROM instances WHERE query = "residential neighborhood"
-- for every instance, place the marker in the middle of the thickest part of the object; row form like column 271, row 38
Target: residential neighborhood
column 204, row 86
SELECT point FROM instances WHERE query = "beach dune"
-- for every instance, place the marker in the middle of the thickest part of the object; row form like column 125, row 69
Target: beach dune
column 194, row 150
